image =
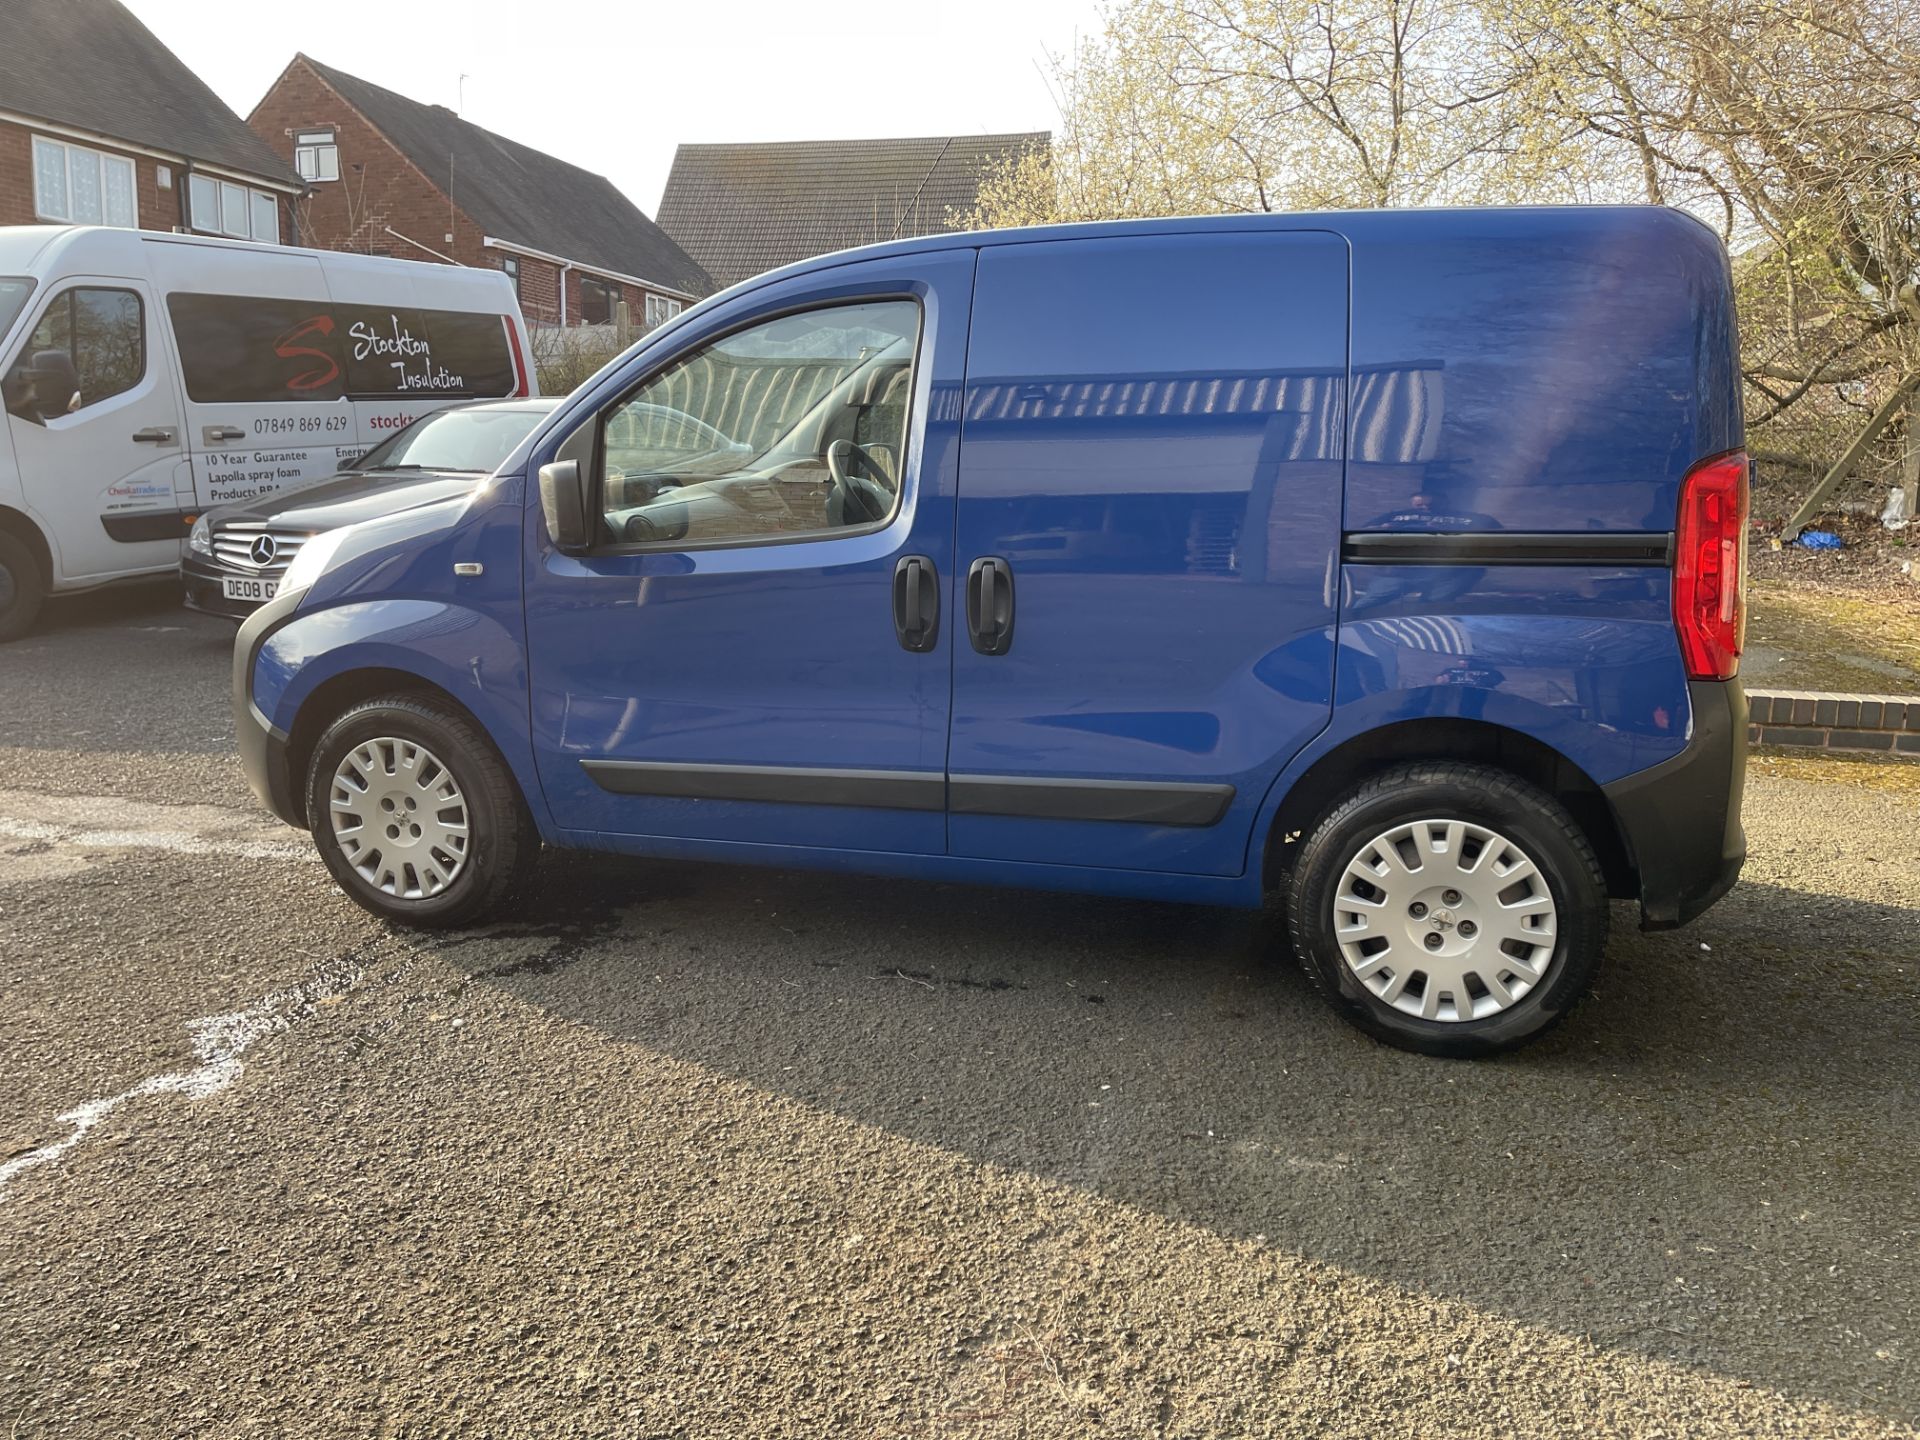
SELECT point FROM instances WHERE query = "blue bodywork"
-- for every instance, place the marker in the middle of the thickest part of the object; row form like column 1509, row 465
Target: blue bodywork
column 1166, row 429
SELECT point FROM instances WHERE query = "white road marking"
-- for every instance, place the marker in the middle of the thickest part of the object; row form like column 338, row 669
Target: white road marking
column 87, row 822
column 218, row 1043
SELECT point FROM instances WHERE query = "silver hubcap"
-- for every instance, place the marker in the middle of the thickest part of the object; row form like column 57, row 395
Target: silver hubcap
column 399, row 818
column 1445, row 920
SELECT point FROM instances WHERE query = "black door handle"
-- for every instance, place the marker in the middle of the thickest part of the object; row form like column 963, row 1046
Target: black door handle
column 990, row 605
column 916, row 603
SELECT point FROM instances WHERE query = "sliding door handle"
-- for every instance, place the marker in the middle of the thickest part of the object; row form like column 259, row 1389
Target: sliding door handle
column 916, row 603
column 990, row 605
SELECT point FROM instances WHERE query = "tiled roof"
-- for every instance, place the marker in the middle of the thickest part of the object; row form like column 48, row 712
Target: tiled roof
column 90, row 65
column 518, row 194
column 742, row 209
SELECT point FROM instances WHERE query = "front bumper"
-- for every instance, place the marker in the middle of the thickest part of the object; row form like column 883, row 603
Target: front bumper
column 1681, row 819
column 265, row 751
column 200, row 580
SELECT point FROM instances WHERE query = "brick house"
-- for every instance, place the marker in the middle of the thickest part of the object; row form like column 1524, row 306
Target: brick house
column 390, row 176
column 100, row 124
column 741, row 209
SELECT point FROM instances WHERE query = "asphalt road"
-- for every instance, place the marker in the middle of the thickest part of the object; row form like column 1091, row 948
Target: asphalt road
column 709, row 1152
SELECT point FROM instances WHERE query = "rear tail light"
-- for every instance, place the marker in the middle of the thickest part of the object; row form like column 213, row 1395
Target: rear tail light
column 1709, row 567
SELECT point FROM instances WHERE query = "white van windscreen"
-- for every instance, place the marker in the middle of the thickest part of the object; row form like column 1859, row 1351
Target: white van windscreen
column 239, row 348
column 14, row 290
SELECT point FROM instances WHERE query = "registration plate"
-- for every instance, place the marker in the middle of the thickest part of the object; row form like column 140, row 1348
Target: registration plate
column 237, row 587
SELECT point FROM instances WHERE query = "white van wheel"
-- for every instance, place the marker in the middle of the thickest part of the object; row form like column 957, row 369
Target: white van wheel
column 22, row 588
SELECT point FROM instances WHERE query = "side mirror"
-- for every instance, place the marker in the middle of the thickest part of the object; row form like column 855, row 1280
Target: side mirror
column 563, row 501
column 17, row 392
column 55, row 382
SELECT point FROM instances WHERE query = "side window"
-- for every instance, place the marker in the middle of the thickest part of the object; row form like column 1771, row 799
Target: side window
column 792, row 428
column 103, row 332
column 239, row 348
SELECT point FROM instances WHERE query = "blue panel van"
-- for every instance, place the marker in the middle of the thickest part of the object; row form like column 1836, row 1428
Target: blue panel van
column 1388, row 564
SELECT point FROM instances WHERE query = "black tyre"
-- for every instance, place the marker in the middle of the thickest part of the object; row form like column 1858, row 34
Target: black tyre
column 416, row 815
column 22, row 587
column 1450, row 909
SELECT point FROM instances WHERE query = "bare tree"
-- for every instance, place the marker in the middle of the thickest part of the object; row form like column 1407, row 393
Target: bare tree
column 1795, row 128
column 1186, row 106
column 1792, row 126
column 357, row 230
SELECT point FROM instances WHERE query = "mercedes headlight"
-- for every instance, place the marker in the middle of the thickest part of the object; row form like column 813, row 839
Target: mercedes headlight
column 200, row 538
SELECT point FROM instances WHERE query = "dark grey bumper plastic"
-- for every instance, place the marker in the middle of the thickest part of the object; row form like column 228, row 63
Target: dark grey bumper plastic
column 1681, row 819
column 263, row 748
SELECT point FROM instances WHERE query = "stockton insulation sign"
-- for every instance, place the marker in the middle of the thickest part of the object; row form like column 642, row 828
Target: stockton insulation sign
column 246, row 349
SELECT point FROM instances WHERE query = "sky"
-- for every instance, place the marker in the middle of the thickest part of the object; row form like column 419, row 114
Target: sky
column 614, row 88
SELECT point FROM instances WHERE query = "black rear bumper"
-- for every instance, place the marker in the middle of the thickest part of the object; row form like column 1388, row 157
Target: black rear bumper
column 1681, row 819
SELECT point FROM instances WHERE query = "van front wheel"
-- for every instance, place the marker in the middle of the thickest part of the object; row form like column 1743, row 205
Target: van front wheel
column 1450, row 909
column 416, row 815
column 22, row 588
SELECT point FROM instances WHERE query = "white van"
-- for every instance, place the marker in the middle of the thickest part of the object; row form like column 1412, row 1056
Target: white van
column 147, row 377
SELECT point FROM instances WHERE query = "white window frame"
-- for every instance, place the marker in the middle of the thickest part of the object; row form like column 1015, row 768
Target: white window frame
column 660, row 309
column 230, row 194
column 316, row 155
column 235, row 197
column 100, row 160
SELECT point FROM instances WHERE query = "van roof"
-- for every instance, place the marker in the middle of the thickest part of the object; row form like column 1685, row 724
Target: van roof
column 25, row 249
column 1357, row 226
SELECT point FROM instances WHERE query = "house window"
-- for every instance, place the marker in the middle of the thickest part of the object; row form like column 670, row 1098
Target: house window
column 510, row 267
column 234, row 206
column 266, row 217
column 597, row 299
column 82, row 186
column 220, row 207
column 315, row 155
column 660, row 310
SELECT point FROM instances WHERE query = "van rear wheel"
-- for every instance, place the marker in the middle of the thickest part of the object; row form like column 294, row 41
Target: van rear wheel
column 416, row 815
column 1449, row 909
column 22, row 588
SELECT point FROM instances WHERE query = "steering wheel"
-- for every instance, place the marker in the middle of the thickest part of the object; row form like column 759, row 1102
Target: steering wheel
column 854, row 499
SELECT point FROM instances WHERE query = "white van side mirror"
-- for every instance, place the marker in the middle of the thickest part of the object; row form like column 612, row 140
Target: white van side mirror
column 563, row 501
column 42, row 387
column 17, row 391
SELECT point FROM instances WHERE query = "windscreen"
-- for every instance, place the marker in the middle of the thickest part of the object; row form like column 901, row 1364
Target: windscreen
column 477, row 440
column 14, row 290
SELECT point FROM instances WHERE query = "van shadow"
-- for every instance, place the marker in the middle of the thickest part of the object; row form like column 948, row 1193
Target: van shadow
column 1712, row 1163
column 112, row 604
